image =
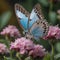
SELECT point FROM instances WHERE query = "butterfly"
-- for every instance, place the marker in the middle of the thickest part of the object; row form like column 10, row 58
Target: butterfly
column 32, row 23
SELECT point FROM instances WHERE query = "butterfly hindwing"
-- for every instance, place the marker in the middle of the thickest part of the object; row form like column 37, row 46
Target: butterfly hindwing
column 22, row 16
column 39, row 29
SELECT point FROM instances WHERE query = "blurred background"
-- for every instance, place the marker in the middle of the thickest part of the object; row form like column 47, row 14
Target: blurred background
column 50, row 9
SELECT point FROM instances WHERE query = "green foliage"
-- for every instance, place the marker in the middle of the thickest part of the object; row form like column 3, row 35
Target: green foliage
column 8, row 58
column 44, row 2
column 47, row 57
column 4, row 18
column 28, row 58
column 52, row 17
column 57, row 56
column 2, row 40
column 58, row 47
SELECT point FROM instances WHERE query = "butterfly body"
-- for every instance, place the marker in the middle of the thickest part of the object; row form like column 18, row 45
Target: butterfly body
column 34, row 23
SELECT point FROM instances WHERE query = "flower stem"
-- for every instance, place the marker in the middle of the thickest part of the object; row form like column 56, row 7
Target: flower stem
column 7, row 41
column 51, row 5
column 52, row 53
column 18, row 56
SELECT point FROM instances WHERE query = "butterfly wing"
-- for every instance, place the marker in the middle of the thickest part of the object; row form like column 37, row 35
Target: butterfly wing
column 35, row 15
column 22, row 16
column 39, row 29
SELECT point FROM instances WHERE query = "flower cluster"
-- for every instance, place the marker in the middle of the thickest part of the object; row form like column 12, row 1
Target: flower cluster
column 22, row 44
column 26, row 46
column 54, row 32
column 11, row 30
column 37, row 51
column 3, row 48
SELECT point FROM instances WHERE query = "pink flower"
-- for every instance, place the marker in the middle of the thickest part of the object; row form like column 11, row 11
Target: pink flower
column 26, row 46
column 38, row 51
column 22, row 44
column 11, row 30
column 54, row 32
column 3, row 48
column 58, row 34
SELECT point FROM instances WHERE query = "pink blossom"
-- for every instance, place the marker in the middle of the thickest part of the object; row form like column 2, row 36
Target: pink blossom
column 22, row 44
column 11, row 30
column 38, row 51
column 3, row 48
column 26, row 46
column 58, row 34
column 54, row 32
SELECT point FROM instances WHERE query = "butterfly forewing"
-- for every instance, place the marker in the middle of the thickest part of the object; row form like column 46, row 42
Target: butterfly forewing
column 22, row 16
column 35, row 15
column 38, row 10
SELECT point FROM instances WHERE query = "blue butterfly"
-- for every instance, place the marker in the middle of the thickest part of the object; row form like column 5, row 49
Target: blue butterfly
column 34, row 23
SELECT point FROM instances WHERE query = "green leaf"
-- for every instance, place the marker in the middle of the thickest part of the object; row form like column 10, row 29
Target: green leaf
column 6, row 42
column 58, row 47
column 8, row 58
column 28, row 58
column 5, row 18
column 52, row 17
column 57, row 56
column 0, row 21
column 58, row 16
column 44, row 2
column 47, row 57
column 2, row 40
